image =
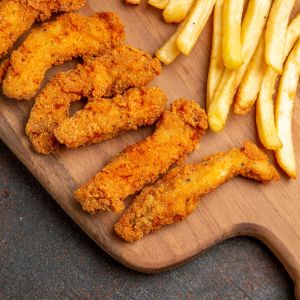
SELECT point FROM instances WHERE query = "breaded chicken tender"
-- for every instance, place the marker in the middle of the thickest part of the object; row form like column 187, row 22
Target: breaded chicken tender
column 17, row 16
column 177, row 194
column 103, row 118
column 105, row 76
column 71, row 35
column 177, row 133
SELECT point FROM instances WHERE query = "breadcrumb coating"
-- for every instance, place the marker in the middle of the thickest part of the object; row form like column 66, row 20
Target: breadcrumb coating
column 178, row 193
column 46, row 8
column 17, row 16
column 177, row 133
column 70, row 35
column 3, row 69
column 104, row 76
column 102, row 119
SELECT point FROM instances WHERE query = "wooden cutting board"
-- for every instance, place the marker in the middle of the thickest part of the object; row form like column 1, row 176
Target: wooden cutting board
column 270, row 212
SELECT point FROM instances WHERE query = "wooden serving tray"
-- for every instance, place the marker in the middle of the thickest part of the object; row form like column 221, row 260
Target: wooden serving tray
column 270, row 212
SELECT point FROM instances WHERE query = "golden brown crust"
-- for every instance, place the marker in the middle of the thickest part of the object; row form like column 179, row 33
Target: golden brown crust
column 15, row 19
column 3, row 69
column 102, row 119
column 17, row 16
column 71, row 35
column 108, row 75
column 177, row 194
column 46, row 8
column 178, row 133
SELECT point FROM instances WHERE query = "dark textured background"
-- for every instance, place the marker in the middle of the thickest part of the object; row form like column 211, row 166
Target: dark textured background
column 44, row 255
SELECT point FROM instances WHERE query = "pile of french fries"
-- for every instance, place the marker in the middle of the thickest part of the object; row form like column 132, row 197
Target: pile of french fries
column 248, row 56
column 252, row 46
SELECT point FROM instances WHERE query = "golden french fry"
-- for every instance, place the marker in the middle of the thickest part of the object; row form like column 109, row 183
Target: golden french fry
column 216, row 66
column 160, row 4
column 265, row 121
column 232, row 45
column 169, row 51
column 284, row 111
column 276, row 32
column 250, row 85
column 194, row 24
column 265, row 107
column 176, row 10
column 252, row 29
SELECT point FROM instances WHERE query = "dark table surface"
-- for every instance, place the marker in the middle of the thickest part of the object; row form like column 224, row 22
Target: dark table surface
column 44, row 255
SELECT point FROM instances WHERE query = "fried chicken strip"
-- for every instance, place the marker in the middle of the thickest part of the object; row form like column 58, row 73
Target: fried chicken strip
column 178, row 133
column 71, row 35
column 17, row 16
column 102, row 119
column 105, row 76
column 177, row 194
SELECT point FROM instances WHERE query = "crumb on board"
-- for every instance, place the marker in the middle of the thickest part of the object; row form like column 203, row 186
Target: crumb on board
column 135, row 2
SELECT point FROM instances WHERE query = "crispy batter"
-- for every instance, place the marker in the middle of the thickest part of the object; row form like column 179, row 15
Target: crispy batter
column 178, row 133
column 46, row 8
column 177, row 194
column 108, row 75
column 102, row 119
column 17, row 16
column 71, row 35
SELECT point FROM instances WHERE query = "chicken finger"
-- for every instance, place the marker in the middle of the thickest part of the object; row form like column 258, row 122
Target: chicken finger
column 105, row 76
column 71, row 35
column 17, row 16
column 101, row 119
column 178, row 133
column 177, row 194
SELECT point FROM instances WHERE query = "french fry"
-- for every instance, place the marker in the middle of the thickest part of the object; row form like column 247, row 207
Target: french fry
column 250, row 85
column 284, row 111
column 265, row 107
column 169, row 51
column 194, row 24
column 276, row 32
column 252, row 29
column 160, row 4
column 216, row 66
column 232, row 46
column 176, row 10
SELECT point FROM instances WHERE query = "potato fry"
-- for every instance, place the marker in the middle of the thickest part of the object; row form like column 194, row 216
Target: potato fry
column 169, row 51
column 216, row 66
column 265, row 107
column 250, row 85
column 276, row 32
column 160, row 4
column 176, row 10
column 284, row 111
column 194, row 24
column 232, row 45
column 252, row 29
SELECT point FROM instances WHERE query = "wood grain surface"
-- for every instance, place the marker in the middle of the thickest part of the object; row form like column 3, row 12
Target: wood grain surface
column 240, row 207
